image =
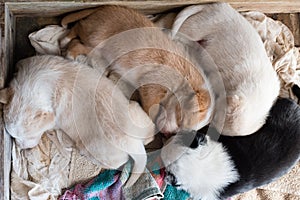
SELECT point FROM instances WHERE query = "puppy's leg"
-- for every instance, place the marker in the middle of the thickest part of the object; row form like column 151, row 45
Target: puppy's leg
column 76, row 48
column 63, row 43
column 151, row 96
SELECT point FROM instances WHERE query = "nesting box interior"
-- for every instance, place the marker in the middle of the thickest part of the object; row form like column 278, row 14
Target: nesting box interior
column 22, row 18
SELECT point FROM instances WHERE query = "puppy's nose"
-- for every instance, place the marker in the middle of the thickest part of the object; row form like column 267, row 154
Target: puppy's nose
column 199, row 140
column 171, row 179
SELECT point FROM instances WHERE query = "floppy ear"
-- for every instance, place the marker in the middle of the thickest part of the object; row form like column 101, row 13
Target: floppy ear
column 233, row 103
column 4, row 95
column 296, row 91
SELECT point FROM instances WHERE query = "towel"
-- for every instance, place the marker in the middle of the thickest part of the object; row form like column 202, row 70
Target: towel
column 108, row 185
column 46, row 40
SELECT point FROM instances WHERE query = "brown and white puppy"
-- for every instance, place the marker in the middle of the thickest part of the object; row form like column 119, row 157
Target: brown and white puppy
column 250, row 82
column 50, row 92
column 172, row 89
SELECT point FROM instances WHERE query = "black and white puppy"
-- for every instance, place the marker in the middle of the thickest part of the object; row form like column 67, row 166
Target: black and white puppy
column 217, row 170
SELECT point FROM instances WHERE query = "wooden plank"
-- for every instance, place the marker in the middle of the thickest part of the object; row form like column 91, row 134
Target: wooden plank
column 47, row 8
column 5, row 70
column 2, row 162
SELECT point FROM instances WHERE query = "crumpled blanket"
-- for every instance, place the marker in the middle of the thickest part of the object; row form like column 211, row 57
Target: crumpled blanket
column 33, row 169
column 108, row 185
column 42, row 172
column 45, row 43
column 280, row 47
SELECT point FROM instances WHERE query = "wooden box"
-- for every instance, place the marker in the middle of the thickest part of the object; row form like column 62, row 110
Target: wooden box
column 19, row 18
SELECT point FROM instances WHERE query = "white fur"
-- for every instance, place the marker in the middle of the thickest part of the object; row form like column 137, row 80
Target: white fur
column 51, row 92
column 202, row 172
column 250, row 82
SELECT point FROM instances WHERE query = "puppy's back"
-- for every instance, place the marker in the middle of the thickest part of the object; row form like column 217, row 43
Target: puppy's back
column 99, row 24
column 270, row 152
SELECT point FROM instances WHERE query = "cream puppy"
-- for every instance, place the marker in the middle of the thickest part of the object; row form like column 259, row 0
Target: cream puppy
column 250, row 82
column 50, row 92
column 172, row 89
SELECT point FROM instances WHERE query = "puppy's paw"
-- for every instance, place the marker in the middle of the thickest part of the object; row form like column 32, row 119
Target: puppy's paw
column 70, row 56
column 81, row 58
column 63, row 43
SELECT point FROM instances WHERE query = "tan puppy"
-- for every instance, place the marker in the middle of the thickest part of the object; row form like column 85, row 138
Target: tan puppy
column 250, row 82
column 173, row 91
column 50, row 92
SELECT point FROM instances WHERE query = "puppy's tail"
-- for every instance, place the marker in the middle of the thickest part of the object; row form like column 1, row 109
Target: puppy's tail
column 183, row 15
column 139, row 157
column 73, row 17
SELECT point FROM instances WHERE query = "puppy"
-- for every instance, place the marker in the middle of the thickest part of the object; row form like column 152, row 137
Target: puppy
column 250, row 82
column 202, row 166
column 218, row 170
column 50, row 92
column 172, row 89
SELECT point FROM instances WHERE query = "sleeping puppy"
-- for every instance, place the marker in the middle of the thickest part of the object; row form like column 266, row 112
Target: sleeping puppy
column 50, row 92
column 172, row 89
column 217, row 170
column 250, row 82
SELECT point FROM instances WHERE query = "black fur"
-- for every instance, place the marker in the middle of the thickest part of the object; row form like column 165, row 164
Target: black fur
column 191, row 139
column 269, row 153
column 199, row 139
column 296, row 91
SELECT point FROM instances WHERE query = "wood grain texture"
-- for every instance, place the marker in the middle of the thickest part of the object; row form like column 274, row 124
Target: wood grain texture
column 149, row 7
column 2, row 164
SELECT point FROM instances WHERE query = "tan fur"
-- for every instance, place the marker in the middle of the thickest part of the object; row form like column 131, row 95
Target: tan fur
column 135, row 49
column 54, row 93
column 76, row 16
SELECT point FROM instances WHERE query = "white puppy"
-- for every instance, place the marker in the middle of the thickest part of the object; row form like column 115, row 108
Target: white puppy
column 50, row 92
column 250, row 82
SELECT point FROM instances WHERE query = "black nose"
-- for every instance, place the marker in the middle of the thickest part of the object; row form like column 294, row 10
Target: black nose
column 199, row 139
column 171, row 179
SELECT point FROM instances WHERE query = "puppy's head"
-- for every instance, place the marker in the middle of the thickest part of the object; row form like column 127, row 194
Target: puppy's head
column 189, row 111
column 25, row 120
column 28, row 112
column 197, row 164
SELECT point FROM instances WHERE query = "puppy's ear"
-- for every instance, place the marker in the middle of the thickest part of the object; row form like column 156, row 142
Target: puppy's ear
column 5, row 94
column 199, row 140
column 233, row 103
column 296, row 91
